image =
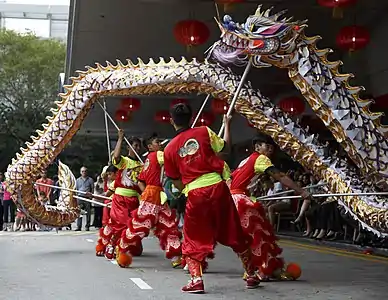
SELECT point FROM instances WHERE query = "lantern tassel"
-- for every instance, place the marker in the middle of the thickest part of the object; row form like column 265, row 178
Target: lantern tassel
column 338, row 13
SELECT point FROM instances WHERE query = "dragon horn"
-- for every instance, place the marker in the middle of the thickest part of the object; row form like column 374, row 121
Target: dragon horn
column 276, row 17
column 258, row 11
column 267, row 12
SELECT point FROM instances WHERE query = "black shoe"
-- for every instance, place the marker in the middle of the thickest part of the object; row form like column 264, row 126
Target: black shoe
column 87, row 228
column 78, row 229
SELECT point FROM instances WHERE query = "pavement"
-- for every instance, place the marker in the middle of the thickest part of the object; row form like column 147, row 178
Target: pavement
column 63, row 266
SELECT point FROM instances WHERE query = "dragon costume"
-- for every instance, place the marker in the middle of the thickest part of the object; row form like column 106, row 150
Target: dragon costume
column 267, row 40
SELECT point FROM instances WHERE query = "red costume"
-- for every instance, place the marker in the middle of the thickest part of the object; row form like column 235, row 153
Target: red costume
column 210, row 215
column 153, row 212
column 106, row 209
column 124, row 201
column 265, row 250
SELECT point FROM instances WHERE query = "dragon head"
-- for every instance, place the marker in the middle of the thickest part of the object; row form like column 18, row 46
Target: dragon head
column 261, row 36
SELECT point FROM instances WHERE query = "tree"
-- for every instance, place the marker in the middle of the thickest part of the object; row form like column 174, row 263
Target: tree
column 29, row 69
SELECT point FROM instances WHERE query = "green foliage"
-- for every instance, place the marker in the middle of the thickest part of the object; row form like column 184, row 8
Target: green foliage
column 29, row 69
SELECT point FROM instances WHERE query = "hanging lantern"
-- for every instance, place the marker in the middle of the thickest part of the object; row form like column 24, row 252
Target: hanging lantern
column 130, row 104
column 122, row 115
column 292, row 105
column 337, row 6
column 191, row 33
column 162, row 116
column 177, row 101
column 352, row 38
column 228, row 4
column 220, row 106
column 205, row 119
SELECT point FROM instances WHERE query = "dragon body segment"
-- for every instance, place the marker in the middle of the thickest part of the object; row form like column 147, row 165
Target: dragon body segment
column 267, row 40
column 172, row 78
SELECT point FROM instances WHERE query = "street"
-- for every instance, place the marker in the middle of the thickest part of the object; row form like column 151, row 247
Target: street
column 50, row 265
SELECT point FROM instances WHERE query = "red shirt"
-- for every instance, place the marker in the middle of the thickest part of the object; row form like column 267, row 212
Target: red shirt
column 254, row 164
column 41, row 188
column 192, row 153
column 152, row 169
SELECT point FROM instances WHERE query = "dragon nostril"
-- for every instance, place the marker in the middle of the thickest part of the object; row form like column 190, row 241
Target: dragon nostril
column 258, row 43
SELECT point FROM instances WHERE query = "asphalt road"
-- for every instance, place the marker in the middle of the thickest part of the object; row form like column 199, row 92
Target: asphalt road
column 46, row 265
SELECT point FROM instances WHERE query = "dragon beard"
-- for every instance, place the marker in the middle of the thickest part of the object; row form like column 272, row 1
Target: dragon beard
column 228, row 55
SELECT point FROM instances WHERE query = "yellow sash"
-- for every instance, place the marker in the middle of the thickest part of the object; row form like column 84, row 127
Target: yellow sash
column 126, row 192
column 202, row 181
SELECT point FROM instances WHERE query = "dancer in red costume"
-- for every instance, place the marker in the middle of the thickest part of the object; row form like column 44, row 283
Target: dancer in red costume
column 126, row 195
column 254, row 222
column 192, row 161
column 153, row 211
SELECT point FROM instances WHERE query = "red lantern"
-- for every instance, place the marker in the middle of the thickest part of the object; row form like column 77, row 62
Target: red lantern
column 122, row 115
column 162, row 116
column 176, row 101
column 191, row 32
column 130, row 104
column 336, row 5
column 352, row 38
column 205, row 119
column 292, row 105
column 220, row 106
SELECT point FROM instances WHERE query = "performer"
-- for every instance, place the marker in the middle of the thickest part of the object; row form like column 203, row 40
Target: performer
column 191, row 160
column 126, row 195
column 265, row 250
column 153, row 211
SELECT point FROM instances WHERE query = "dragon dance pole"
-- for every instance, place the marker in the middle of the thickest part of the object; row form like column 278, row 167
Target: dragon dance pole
column 107, row 132
column 70, row 190
column 329, row 195
column 118, row 128
column 91, row 201
column 290, row 191
column 200, row 111
column 236, row 94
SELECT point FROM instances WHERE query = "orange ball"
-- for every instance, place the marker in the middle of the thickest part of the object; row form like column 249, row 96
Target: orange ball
column 294, row 270
column 124, row 260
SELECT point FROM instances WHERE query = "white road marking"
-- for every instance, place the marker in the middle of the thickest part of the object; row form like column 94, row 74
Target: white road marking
column 141, row 283
column 89, row 240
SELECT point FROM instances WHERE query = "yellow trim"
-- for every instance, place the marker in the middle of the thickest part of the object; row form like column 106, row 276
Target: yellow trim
column 160, row 157
column 126, row 192
column 262, row 163
column 202, row 181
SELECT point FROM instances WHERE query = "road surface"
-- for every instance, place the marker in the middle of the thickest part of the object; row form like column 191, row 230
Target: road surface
column 47, row 265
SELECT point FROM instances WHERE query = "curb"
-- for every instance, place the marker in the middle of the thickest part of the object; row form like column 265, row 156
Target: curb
column 337, row 245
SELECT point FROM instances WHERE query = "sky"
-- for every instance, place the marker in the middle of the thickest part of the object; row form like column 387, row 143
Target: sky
column 40, row 27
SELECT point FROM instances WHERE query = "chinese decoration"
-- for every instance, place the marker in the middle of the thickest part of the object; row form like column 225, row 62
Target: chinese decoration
column 337, row 6
column 122, row 115
column 220, row 106
column 191, row 33
column 130, row 104
column 292, row 105
column 353, row 38
column 162, row 116
column 205, row 119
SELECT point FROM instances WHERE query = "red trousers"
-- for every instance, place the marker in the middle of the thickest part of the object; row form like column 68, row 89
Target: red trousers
column 120, row 212
column 265, row 250
column 151, row 214
column 211, row 217
column 106, row 213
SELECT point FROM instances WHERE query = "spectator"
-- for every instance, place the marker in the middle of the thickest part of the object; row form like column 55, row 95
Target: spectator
column 9, row 208
column 84, row 184
column 1, row 202
column 274, row 207
column 55, row 192
column 98, row 209
column 42, row 188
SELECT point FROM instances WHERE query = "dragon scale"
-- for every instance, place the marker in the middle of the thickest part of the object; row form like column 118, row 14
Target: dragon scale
column 173, row 78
